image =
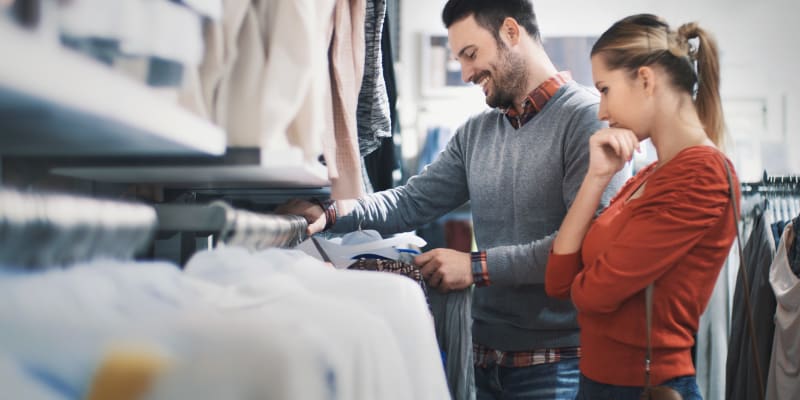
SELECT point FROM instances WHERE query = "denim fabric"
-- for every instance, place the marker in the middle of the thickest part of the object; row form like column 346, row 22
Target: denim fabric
column 553, row 381
column 591, row 390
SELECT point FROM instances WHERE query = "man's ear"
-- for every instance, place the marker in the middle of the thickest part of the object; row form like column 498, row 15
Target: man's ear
column 646, row 76
column 510, row 30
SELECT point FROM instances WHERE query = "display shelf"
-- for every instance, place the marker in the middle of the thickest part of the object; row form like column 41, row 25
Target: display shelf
column 55, row 102
column 239, row 167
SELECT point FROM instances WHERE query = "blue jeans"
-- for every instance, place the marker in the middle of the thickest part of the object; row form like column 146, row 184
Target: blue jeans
column 591, row 390
column 554, row 381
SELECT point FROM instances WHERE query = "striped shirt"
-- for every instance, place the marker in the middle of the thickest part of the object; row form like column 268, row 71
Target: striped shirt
column 485, row 357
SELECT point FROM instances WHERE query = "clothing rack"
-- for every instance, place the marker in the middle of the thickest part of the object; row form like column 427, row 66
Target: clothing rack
column 786, row 184
column 232, row 226
column 50, row 230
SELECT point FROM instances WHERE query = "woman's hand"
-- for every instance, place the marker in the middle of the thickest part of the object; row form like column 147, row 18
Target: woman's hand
column 609, row 150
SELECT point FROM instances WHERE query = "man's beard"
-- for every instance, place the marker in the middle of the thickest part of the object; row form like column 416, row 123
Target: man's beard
column 509, row 79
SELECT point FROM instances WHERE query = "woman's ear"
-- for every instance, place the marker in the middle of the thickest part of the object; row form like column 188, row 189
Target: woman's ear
column 646, row 77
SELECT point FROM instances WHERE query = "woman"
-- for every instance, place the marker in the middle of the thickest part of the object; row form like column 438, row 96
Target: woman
column 671, row 225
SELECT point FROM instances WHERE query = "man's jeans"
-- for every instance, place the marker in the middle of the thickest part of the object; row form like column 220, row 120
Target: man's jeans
column 545, row 381
column 591, row 390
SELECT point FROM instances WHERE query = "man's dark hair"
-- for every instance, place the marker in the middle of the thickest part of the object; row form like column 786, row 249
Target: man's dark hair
column 490, row 14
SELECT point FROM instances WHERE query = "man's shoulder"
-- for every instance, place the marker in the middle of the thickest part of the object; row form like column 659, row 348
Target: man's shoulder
column 482, row 119
column 573, row 95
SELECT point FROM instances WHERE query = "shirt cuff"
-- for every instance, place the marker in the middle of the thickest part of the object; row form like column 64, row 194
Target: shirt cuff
column 480, row 272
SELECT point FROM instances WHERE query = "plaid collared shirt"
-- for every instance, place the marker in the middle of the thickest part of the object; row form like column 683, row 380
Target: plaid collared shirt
column 537, row 99
column 485, row 357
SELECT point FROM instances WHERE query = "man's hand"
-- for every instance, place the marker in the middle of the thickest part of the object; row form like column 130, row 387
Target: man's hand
column 313, row 213
column 445, row 269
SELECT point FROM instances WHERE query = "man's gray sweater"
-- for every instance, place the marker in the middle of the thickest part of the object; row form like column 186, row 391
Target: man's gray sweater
column 520, row 183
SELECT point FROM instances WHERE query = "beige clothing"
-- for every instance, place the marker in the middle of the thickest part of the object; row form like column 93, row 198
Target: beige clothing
column 783, row 381
column 347, row 70
column 284, row 75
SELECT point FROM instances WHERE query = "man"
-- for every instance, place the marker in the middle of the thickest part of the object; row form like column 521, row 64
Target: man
column 520, row 166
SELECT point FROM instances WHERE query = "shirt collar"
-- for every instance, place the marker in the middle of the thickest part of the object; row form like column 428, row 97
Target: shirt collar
column 536, row 100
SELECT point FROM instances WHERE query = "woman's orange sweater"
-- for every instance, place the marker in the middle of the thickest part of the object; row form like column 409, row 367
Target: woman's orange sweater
column 677, row 234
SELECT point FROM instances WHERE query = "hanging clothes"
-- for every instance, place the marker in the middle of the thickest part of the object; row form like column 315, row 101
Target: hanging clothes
column 794, row 252
column 373, row 101
column 383, row 162
column 713, row 332
column 452, row 316
column 397, row 300
column 783, row 382
column 391, row 266
column 741, row 381
column 346, row 57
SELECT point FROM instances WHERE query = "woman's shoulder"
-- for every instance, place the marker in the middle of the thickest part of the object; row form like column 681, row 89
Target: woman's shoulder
column 696, row 164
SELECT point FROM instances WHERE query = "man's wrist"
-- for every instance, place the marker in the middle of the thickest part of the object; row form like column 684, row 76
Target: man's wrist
column 480, row 271
column 329, row 209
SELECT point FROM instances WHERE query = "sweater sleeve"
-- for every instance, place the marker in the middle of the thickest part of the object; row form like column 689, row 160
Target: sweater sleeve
column 441, row 187
column 679, row 206
column 525, row 263
column 561, row 271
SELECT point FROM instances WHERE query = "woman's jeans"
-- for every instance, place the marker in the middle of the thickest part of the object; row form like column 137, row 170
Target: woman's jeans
column 591, row 390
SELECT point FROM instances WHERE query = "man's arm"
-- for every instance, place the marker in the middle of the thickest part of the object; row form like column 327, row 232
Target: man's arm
column 438, row 189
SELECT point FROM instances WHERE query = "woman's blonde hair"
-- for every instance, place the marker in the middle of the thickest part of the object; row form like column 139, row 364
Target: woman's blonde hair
column 645, row 39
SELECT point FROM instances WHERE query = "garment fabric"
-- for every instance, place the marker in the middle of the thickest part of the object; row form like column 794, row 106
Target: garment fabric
column 537, row 99
column 346, row 57
column 538, row 382
column 676, row 235
column 284, row 76
column 391, row 266
column 542, row 164
column 783, row 380
column 395, row 299
column 453, row 322
column 741, row 377
column 102, row 305
column 794, row 252
column 368, row 365
column 592, row 390
column 486, row 356
column 372, row 111
column 382, row 163
column 713, row 333
column 19, row 384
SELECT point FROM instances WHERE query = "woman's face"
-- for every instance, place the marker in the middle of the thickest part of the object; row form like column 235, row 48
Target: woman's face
column 622, row 98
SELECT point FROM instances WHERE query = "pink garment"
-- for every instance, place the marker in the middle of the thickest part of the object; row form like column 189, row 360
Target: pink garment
column 347, row 60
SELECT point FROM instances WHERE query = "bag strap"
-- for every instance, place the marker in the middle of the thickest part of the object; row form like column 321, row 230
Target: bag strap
column 648, row 299
column 745, row 285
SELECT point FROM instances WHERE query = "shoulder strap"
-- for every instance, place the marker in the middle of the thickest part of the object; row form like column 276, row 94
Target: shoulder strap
column 648, row 299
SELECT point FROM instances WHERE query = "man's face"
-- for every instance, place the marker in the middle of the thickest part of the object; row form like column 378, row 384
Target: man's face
column 494, row 66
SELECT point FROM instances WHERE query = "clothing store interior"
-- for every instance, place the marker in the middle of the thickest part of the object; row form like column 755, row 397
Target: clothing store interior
column 148, row 149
